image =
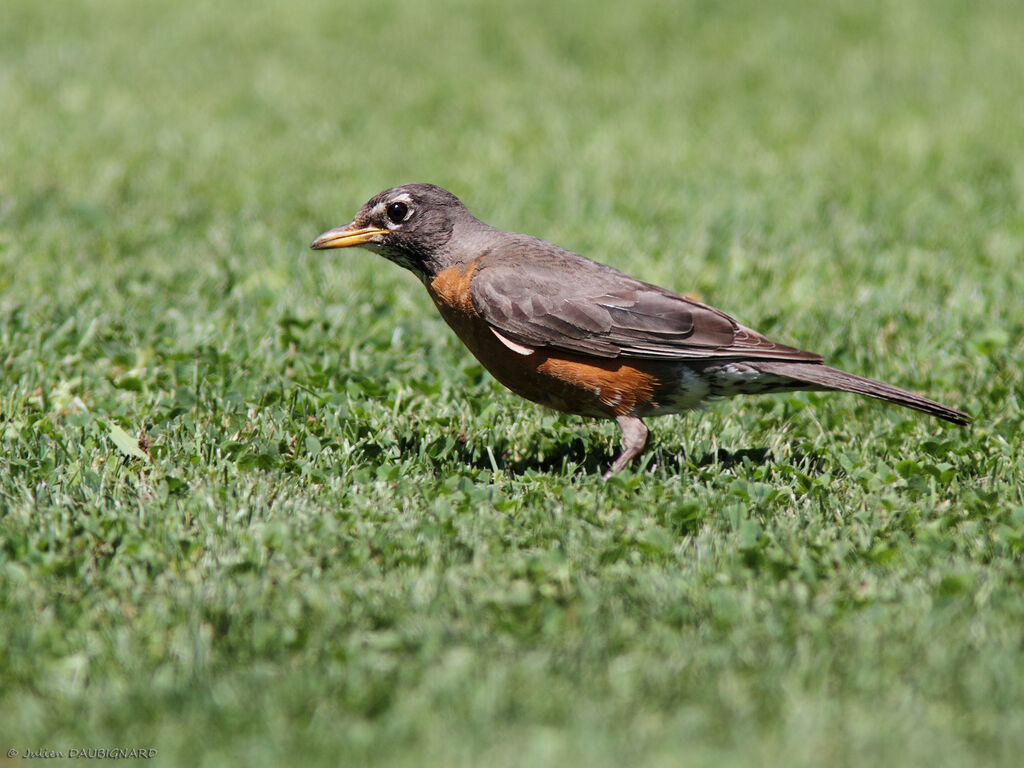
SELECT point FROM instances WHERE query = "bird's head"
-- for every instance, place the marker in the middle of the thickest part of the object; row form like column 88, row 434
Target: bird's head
column 409, row 225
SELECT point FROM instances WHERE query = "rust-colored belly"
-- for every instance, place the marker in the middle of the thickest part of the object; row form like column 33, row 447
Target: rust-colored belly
column 563, row 381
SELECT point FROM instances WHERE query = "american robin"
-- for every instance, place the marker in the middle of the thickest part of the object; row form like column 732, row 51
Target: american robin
column 579, row 336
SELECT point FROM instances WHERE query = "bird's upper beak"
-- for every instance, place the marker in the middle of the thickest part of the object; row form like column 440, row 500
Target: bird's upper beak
column 343, row 237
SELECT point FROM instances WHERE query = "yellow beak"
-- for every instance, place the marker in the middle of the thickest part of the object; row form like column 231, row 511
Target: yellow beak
column 343, row 237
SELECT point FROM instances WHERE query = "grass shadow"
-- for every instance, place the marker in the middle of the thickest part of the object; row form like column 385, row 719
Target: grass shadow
column 579, row 456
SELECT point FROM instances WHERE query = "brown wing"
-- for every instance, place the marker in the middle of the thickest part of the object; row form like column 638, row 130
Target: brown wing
column 561, row 300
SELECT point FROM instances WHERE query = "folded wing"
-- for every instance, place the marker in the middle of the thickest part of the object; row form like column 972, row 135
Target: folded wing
column 569, row 303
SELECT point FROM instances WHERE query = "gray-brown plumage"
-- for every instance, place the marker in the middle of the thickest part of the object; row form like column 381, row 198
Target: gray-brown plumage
column 579, row 336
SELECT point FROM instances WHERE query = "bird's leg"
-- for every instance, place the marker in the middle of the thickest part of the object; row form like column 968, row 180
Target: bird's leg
column 634, row 438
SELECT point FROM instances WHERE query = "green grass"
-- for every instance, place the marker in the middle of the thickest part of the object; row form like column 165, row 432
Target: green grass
column 350, row 545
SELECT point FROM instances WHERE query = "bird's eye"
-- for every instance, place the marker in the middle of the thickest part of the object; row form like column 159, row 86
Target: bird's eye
column 397, row 212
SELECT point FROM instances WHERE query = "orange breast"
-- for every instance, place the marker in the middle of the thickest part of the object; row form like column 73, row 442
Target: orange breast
column 566, row 382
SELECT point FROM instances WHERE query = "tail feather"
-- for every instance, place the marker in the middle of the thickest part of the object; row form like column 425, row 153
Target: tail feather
column 832, row 378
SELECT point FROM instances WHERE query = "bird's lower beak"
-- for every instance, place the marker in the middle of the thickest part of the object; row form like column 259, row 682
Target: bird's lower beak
column 343, row 237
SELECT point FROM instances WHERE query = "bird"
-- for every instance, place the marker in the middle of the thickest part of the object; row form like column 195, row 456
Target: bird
column 579, row 336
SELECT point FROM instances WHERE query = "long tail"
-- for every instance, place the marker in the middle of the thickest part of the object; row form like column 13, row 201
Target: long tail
column 832, row 378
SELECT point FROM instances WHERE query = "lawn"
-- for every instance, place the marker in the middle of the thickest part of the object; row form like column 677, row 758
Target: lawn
column 342, row 543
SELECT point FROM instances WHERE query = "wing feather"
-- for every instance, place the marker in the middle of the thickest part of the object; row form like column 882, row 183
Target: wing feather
column 564, row 301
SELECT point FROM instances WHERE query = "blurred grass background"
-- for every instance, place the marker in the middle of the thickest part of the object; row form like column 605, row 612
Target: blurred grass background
column 349, row 544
